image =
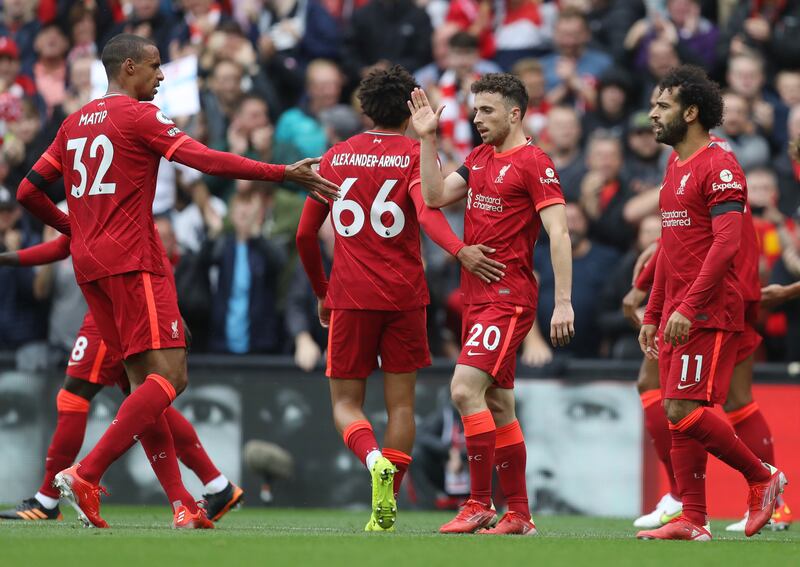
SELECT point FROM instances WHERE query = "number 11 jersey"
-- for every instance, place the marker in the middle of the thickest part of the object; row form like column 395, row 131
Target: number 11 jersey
column 376, row 257
column 108, row 153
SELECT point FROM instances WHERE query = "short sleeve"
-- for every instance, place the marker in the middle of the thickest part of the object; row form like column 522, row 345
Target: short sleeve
column 55, row 152
column 725, row 184
column 157, row 131
column 543, row 183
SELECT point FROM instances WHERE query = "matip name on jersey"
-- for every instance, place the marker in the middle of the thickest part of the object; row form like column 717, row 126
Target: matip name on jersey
column 370, row 160
column 92, row 118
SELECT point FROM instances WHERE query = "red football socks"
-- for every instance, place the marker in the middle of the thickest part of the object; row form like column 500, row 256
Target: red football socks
column 655, row 421
column 188, row 447
column 753, row 430
column 510, row 458
column 160, row 450
column 720, row 440
column 401, row 461
column 480, row 435
column 67, row 438
column 689, row 459
column 360, row 439
column 136, row 415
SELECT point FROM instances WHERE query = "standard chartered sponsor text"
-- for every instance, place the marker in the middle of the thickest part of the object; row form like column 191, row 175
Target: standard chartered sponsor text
column 675, row 218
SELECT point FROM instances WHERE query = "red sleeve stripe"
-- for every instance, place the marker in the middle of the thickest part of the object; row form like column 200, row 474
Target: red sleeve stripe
column 175, row 146
column 548, row 202
column 52, row 161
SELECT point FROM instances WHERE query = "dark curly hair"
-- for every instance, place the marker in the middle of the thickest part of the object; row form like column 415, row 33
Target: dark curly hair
column 506, row 85
column 383, row 95
column 695, row 88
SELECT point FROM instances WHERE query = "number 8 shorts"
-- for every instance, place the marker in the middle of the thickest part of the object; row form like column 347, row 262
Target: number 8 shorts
column 701, row 369
column 92, row 361
column 491, row 334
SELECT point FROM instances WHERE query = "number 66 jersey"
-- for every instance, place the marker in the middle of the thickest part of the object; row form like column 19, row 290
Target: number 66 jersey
column 377, row 262
column 108, row 153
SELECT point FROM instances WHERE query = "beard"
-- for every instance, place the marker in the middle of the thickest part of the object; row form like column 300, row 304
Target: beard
column 673, row 132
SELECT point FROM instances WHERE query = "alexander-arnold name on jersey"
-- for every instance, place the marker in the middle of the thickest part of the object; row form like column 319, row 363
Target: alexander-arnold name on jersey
column 370, row 160
column 727, row 181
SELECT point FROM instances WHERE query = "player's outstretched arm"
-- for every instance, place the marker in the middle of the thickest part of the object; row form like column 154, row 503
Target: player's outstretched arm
column 31, row 195
column 44, row 253
column 437, row 191
column 314, row 214
column 776, row 294
column 212, row 162
column 562, row 324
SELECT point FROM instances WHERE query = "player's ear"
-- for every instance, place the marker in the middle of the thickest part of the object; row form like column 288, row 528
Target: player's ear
column 129, row 66
column 691, row 113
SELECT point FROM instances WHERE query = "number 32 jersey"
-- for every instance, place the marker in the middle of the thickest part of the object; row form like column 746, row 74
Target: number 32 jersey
column 377, row 263
column 108, row 153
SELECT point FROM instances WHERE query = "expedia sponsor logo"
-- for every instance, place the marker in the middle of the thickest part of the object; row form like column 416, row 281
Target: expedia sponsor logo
column 724, row 186
column 551, row 177
column 677, row 218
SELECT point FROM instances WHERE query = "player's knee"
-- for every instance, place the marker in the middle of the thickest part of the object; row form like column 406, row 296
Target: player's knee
column 179, row 381
column 737, row 400
column 463, row 396
column 677, row 410
column 648, row 377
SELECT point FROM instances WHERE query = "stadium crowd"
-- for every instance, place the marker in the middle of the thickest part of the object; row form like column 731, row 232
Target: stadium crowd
column 276, row 81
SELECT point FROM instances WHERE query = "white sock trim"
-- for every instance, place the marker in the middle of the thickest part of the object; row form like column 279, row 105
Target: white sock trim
column 372, row 457
column 216, row 485
column 46, row 501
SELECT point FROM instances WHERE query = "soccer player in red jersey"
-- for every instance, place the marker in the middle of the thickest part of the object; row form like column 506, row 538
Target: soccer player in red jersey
column 512, row 190
column 108, row 153
column 374, row 305
column 90, row 368
column 696, row 307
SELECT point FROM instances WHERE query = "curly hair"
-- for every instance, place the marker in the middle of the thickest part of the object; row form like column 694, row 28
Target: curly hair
column 694, row 88
column 506, row 85
column 383, row 95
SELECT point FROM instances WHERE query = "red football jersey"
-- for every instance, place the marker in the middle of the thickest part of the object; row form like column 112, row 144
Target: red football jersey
column 108, row 152
column 505, row 193
column 691, row 189
column 377, row 262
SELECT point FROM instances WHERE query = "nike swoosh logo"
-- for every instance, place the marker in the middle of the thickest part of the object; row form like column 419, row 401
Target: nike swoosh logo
column 470, row 353
column 477, row 167
column 680, row 387
column 667, row 518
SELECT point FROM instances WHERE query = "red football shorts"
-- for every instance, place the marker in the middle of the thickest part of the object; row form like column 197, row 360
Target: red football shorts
column 491, row 334
column 750, row 338
column 357, row 337
column 701, row 369
column 92, row 361
column 135, row 312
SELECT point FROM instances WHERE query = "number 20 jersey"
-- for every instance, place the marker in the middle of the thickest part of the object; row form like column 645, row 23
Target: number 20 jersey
column 108, row 153
column 376, row 257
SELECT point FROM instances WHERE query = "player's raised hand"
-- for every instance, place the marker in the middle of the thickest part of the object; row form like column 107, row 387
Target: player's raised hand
column 630, row 305
column 474, row 259
column 303, row 173
column 324, row 314
column 423, row 118
column 647, row 341
column 677, row 329
column 562, row 324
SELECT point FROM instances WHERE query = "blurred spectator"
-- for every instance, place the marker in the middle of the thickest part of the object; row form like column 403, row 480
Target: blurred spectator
column 531, row 74
column 770, row 28
column 20, row 25
column 571, row 72
column 787, row 168
column 341, row 122
column 591, row 264
column 196, row 214
column 12, row 83
column 147, row 18
column 430, row 74
column 302, row 315
column 787, row 271
column 22, row 317
column 622, row 336
column 244, row 317
column 79, row 85
column 82, row 29
column 613, row 102
column 50, row 69
column 694, row 37
column 383, row 31
column 200, row 19
column 787, row 83
column 220, row 100
column 24, row 143
column 749, row 147
column 475, row 17
column 563, row 144
column 762, row 197
column 523, row 29
column 299, row 127
column 609, row 21
column 604, row 192
column 661, row 58
column 643, row 169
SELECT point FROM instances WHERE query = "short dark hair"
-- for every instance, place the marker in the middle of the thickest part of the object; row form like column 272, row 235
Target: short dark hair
column 383, row 95
column 506, row 85
column 463, row 40
column 121, row 47
column 694, row 88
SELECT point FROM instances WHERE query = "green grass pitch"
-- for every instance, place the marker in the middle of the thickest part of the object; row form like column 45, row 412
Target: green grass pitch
column 141, row 536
